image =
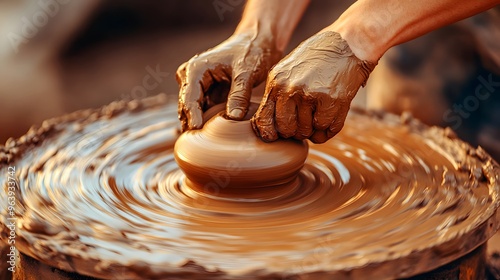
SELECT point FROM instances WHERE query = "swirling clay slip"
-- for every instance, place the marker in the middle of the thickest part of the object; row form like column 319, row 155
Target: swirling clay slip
column 100, row 194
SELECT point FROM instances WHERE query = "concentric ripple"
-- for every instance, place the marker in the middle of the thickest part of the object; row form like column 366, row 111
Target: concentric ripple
column 107, row 198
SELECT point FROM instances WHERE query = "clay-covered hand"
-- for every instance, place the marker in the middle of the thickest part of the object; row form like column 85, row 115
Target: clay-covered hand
column 242, row 61
column 308, row 93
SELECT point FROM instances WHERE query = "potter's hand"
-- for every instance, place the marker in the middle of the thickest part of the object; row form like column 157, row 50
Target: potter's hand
column 308, row 93
column 242, row 61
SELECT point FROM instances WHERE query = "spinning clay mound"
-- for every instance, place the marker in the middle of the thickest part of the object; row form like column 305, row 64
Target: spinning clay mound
column 100, row 195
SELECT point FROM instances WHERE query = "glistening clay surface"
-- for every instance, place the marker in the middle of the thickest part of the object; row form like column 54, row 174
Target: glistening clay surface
column 227, row 154
column 102, row 195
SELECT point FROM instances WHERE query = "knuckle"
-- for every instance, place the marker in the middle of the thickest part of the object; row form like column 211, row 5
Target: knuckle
column 276, row 75
column 242, row 76
column 181, row 75
column 182, row 68
column 239, row 96
column 194, row 67
column 274, row 70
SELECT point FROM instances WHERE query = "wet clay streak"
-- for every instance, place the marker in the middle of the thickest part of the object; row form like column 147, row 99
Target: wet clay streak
column 388, row 197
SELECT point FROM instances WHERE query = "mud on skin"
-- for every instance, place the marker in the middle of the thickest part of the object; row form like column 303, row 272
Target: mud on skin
column 242, row 61
column 309, row 92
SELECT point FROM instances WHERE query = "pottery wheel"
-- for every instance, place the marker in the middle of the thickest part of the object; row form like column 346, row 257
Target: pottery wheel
column 387, row 197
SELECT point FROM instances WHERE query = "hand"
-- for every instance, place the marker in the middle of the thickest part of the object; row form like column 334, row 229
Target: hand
column 309, row 92
column 242, row 61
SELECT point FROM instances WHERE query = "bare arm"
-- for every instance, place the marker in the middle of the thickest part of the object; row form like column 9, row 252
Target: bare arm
column 371, row 27
column 243, row 61
column 308, row 93
column 276, row 19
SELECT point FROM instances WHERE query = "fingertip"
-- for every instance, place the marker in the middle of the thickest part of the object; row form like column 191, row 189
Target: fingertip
column 319, row 137
column 239, row 95
column 264, row 127
column 195, row 118
column 254, row 127
column 195, row 123
column 268, row 134
column 236, row 114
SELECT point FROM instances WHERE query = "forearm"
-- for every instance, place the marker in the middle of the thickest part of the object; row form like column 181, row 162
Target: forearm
column 371, row 27
column 272, row 19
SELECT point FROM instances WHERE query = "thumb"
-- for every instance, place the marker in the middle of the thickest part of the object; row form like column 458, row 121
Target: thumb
column 239, row 96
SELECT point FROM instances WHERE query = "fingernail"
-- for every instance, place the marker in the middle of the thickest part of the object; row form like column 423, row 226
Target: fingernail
column 236, row 114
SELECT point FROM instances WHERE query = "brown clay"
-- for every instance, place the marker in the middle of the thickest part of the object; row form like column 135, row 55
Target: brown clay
column 226, row 153
column 309, row 92
column 102, row 196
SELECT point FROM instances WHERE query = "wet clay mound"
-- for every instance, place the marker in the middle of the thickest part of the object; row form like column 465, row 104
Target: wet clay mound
column 388, row 197
column 227, row 154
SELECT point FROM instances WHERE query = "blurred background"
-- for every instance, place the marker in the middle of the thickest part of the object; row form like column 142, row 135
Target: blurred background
column 89, row 54
column 57, row 56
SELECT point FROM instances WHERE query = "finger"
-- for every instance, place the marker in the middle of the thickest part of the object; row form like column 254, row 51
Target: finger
column 263, row 120
column 286, row 116
column 305, row 121
column 182, row 117
column 180, row 75
column 324, row 114
column 319, row 136
column 194, row 80
column 239, row 96
column 190, row 105
column 338, row 123
column 194, row 115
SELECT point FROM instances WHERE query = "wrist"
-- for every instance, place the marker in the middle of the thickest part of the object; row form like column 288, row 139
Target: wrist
column 367, row 38
column 262, row 31
column 257, row 37
column 272, row 20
